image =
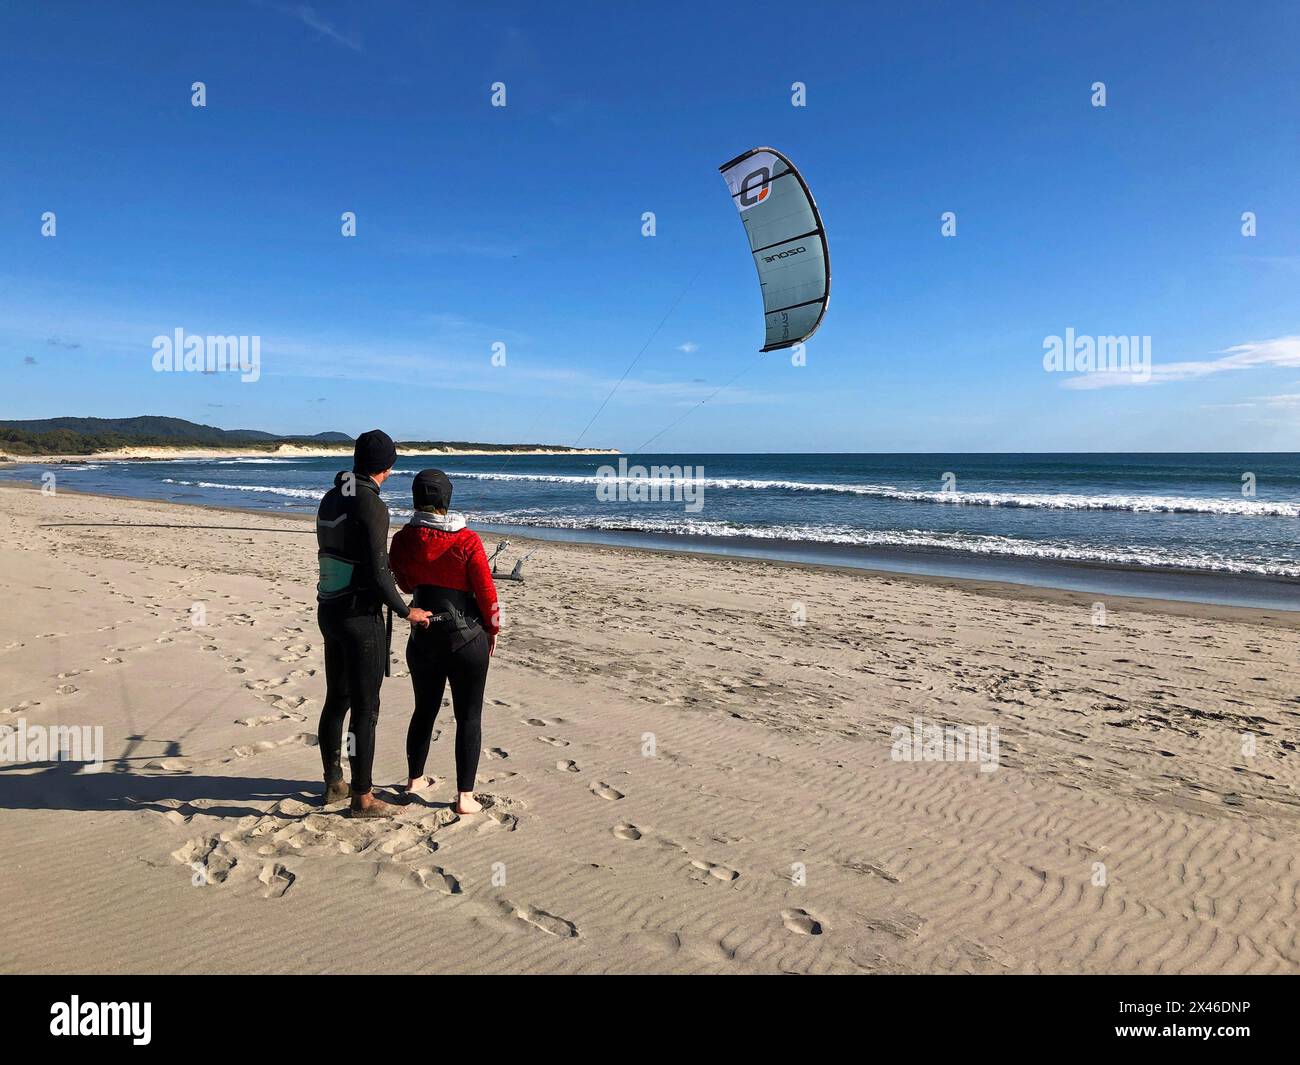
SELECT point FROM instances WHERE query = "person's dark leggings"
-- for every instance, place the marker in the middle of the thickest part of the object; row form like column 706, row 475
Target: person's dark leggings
column 432, row 663
column 356, row 644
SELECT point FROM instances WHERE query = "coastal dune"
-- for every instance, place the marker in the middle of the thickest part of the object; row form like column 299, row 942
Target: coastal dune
column 691, row 764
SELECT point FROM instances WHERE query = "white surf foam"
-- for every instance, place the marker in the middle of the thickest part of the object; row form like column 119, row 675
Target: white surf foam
column 1033, row 500
column 972, row 543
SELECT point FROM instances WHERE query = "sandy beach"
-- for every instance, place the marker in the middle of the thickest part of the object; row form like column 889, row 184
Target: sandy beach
column 689, row 766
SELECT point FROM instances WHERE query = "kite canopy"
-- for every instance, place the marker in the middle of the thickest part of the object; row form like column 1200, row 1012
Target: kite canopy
column 788, row 242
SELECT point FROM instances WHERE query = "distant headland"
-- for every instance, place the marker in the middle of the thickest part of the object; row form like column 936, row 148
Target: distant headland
column 152, row 437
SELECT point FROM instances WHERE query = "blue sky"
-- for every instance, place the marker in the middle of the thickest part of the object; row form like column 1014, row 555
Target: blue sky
column 522, row 225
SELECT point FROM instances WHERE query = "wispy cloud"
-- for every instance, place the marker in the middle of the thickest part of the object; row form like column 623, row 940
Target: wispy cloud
column 455, row 369
column 690, row 347
column 453, row 353
column 1263, row 406
column 1282, row 351
column 309, row 17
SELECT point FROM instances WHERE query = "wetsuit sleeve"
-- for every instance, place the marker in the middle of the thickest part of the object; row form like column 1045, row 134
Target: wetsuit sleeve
column 398, row 561
column 480, row 582
column 374, row 520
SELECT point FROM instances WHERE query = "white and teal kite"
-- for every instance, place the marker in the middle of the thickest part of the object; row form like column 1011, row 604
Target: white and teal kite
column 788, row 242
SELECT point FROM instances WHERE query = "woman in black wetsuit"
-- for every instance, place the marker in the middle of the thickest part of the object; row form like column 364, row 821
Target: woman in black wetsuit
column 443, row 563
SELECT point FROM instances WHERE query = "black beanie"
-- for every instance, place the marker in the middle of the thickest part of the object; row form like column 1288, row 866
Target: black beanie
column 374, row 452
column 431, row 489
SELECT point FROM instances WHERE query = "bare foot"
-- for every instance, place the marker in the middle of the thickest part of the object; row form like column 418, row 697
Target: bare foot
column 414, row 786
column 466, row 804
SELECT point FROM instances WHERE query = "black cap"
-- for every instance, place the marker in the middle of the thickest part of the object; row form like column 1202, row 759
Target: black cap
column 431, row 489
column 374, row 452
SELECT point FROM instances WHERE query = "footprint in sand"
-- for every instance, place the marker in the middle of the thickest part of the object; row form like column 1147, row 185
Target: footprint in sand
column 433, row 878
column 18, row 708
column 112, row 661
column 170, row 765
column 501, row 820
column 496, row 752
column 179, row 813
column 66, row 689
column 210, row 860
column 494, row 778
column 307, row 739
column 604, row 791
column 543, row 722
column 801, row 922
column 406, row 841
column 543, row 921
column 627, row 832
column 268, row 719
column 275, row 880
column 717, row 872
column 72, row 673
column 279, row 682
column 568, row 766
column 554, row 741
column 293, row 808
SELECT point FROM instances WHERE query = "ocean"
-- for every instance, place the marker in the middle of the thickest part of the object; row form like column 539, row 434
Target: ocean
column 1208, row 527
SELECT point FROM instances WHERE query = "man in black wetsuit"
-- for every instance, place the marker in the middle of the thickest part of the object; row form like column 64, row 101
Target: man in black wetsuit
column 355, row 585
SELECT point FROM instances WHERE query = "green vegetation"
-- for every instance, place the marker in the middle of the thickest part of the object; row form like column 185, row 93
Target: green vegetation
column 88, row 436
column 67, row 442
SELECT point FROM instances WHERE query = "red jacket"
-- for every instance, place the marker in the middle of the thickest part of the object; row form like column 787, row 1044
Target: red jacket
column 421, row 555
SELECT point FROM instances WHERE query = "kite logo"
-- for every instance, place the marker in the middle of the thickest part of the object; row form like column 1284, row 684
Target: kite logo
column 784, row 254
column 755, row 187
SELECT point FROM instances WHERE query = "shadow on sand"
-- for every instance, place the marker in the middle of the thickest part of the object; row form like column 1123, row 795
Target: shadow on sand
column 62, row 786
